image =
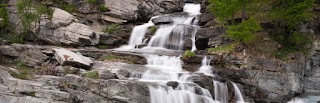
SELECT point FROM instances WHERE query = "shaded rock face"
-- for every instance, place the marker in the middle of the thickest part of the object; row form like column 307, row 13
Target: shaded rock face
column 29, row 55
column 311, row 81
column 273, row 79
column 210, row 37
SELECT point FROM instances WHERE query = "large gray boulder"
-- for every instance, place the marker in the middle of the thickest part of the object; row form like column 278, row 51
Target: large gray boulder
column 66, row 57
column 61, row 18
column 75, row 34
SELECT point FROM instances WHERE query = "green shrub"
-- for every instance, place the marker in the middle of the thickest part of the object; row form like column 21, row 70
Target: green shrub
column 4, row 15
column 32, row 94
column 112, row 28
column 292, row 12
column 92, row 1
column 64, row 5
column 102, row 46
column 92, row 74
column 244, row 32
column 188, row 54
column 103, row 8
column 153, row 29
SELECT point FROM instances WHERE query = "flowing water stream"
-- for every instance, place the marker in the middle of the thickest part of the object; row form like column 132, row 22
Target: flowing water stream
column 175, row 85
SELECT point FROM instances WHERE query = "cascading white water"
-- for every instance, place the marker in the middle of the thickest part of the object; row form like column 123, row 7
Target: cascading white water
column 239, row 98
column 165, row 69
column 138, row 33
column 162, row 68
column 193, row 9
column 165, row 38
column 220, row 91
column 305, row 99
column 205, row 68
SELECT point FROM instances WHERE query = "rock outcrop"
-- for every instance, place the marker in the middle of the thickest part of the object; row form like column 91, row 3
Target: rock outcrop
column 139, row 9
column 66, row 57
column 64, row 30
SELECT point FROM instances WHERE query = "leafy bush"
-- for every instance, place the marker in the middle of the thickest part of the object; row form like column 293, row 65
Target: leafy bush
column 244, row 32
column 92, row 1
column 112, row 28
column 65, row 6
column 4, row 15
column 188, row 54
column 292, row 12
column 103, row 8
column 92, row 74
column 153, row 29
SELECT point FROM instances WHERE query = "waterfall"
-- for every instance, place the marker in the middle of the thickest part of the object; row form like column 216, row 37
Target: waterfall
column 163, row 68
column 220, row 91
column 205, row 68
column 138, row 33
column 173, row 84
column 239, row 98
column 169, row 36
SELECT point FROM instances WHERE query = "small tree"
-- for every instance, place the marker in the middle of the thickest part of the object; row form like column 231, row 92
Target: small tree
column 227, row 9
column 244, row 32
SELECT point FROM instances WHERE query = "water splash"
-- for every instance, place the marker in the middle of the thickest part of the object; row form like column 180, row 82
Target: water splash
column 239, row 98
column 193, row 9
column 205, row 68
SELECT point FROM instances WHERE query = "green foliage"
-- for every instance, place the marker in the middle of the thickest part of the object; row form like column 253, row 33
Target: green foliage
column 224, row 9
column 4, row 15
column 188, row 54
column 292, row 12
column 64, row 5
column 70, row 70
column 228, row 9
column 112, row 28
column 288, row 15
column 244, row 32
column 32, row 94
column 103, row 8
column 24, row 72
column 92, row 1
column 223, row 48
column 102, row 46
column 153, row 29
column 92, row 74
column 30, row 13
